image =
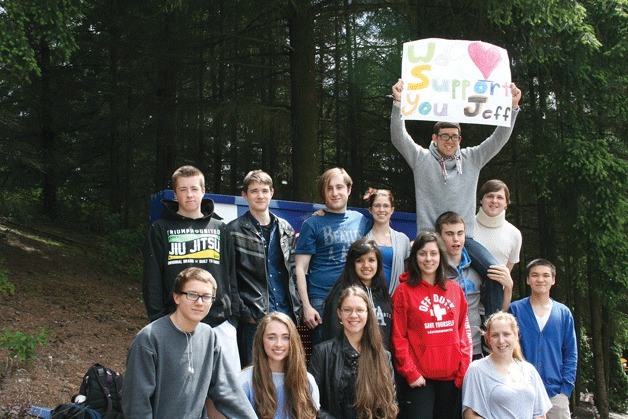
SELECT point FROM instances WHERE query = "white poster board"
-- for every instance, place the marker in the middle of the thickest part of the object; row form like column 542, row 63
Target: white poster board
column 456, row 81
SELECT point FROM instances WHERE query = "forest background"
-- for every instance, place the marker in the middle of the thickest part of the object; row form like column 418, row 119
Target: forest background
column 101, row 100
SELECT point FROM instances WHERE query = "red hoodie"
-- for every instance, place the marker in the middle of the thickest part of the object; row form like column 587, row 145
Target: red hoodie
column 430, row 331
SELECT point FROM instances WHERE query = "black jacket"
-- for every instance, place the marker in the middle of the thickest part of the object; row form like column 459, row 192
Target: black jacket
column 176, row 242
column 332, row 364
column 251, row 267
column 381, row 303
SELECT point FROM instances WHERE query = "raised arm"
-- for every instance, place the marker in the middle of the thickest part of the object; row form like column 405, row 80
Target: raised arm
column 398, row 134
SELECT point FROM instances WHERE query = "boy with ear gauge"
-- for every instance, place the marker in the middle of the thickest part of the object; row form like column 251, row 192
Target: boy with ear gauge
column 176, row 363
column 446, row 178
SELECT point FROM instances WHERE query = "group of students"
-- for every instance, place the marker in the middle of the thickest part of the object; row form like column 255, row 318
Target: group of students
column 225, row 297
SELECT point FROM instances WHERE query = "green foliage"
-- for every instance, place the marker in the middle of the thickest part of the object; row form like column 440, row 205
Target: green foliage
column 618, row 383
column 23, row 345
column 26, row 24
column 122, row 252
column 6, row 286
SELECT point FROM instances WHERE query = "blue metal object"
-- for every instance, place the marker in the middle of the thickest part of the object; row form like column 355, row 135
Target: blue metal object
column 230, row 207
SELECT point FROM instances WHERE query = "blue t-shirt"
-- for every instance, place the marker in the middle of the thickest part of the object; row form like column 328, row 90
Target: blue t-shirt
column 328, row 239
column 387, row 261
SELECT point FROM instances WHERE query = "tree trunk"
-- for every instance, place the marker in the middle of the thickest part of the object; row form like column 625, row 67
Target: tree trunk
column 165, row 112
column 303, row 101
column 47, row 135
column 601, row 395
column 113, row 98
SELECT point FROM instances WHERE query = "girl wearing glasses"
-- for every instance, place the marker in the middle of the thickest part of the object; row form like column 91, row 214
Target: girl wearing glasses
column 395, row 246
column 353, row 372
column 363, row 268
column 430, row 336
column 277, row 384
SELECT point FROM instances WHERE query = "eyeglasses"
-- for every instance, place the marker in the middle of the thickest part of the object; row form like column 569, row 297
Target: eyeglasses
column 384, row 206
column 194, row 296
column 350, row 311
column 447, row 137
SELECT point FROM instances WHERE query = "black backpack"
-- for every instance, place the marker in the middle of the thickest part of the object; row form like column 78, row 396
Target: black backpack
column 101, row 386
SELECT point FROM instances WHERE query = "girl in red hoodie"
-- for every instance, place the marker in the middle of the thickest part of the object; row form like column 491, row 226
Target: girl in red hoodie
column 430, row 336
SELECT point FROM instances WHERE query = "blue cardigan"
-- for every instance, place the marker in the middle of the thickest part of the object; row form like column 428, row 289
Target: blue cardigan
column 553, row 351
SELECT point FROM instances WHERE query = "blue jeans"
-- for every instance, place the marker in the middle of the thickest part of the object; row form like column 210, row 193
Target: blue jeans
column 492, row 293
column 317, row 333
column 246, row 336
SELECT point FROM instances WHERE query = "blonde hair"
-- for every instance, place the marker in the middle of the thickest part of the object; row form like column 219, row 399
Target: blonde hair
column 299, row 403
column 512, row 321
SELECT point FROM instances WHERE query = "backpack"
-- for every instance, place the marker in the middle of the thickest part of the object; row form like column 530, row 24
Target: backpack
column 74, row 411
column 101, row 387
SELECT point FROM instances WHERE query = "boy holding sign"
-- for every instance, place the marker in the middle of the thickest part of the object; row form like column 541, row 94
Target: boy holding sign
column 446, row 179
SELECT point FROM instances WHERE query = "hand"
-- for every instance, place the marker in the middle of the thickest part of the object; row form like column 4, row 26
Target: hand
column 397, row 89
column 311, row 318
column 418, row 383
column 319, row 213
column 515, row 93
column 500, row 274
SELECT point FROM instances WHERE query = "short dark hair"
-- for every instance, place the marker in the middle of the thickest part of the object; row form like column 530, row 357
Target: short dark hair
column 187, row 171
column 494, row 185
column 448, row 217
column 256, row 176
column 442, row 124
column 323, row 181
column 540, row 262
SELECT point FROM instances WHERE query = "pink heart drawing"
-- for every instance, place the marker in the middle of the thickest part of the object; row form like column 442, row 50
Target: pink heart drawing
column 485, row 58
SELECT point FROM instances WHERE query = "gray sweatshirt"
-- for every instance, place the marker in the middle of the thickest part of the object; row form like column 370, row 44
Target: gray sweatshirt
column 434, row 193
column 169, row 374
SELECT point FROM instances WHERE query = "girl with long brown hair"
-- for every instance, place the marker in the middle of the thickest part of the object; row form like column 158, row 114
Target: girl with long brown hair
column 353, row 371
column 278, row 384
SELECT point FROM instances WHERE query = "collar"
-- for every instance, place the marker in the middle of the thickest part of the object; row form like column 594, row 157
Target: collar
column 256, row 223
column 453, row 162
column 488, row 221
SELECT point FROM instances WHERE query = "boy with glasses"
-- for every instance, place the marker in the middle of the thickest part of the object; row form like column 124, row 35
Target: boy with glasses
column 446, row 178
column 175, row 363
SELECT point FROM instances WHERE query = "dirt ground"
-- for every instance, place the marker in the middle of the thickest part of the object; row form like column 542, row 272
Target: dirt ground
column 91, row 317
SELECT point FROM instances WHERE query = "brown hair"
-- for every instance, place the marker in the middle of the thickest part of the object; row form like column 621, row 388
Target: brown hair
column 193, row 274
column 540, row 262
column 500, row 315
column 412, row 265
column 373, row 193
column 256, row 176
column 323, row 181
column 299, row 403
column 448, row 217
column 187, row 171
column 494, row 185
column 374, row 391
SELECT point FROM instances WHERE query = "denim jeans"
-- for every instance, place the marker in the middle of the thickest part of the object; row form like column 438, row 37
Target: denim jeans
column 317, row 333
column 492, row 293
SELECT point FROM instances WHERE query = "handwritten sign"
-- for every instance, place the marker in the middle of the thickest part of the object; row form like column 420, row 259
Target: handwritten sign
column 456, row 81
